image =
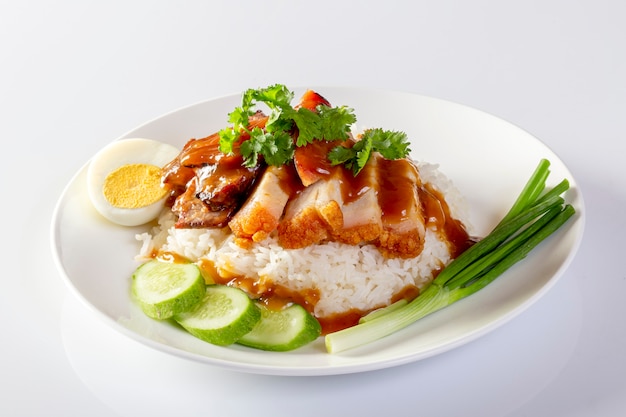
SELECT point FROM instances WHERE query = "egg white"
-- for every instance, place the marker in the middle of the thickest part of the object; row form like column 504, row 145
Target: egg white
column 115, row 155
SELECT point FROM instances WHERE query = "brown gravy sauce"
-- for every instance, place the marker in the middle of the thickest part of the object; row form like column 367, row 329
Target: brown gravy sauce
column 397, row 189
column 438, row 216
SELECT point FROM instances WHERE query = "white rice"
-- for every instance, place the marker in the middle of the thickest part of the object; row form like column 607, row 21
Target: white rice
column 346, row 277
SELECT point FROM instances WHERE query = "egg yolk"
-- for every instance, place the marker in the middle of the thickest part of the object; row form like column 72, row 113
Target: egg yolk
column 134, row 186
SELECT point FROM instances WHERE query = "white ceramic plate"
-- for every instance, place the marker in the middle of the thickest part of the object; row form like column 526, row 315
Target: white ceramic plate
column 487, row 158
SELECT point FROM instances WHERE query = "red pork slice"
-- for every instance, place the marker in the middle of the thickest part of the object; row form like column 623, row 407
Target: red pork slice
column 209, row 186
column 193, row 213
column 311, row 161
column 213, row 196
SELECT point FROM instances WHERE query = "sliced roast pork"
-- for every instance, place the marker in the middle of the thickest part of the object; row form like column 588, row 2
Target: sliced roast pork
column 313, row 215
column 362, row 214
column 402, row 215
column 260, row 214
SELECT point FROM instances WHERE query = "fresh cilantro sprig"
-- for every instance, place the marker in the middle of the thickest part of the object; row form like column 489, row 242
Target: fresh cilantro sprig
column 390, row 144
column 269, row 142
column 274, row 143
column 328, row 123
column 276, row 148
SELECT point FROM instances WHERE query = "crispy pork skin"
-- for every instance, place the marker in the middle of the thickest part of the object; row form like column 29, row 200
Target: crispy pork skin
column 262, row 211
column 380, row 206
column 313, row 215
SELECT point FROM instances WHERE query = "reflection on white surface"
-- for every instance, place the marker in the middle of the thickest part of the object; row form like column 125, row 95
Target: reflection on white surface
column 593, row 383
column 492, row 376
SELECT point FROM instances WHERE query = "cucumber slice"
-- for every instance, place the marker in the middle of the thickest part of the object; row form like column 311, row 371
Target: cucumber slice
column 282, row 330
column 222, row 317
column 165, row 289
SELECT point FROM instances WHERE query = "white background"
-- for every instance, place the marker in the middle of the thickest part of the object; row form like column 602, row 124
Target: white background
column 75, row 75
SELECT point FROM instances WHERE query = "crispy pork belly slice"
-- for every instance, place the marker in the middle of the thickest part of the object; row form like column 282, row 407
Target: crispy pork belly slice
column 361, row 220
column 313, row 216
column 403, row 221
column 260, row 214
column 362, row 214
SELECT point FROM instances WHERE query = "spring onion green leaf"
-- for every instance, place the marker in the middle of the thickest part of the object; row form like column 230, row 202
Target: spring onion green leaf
column 384, row 310
column 533, row 217
column 533, row 188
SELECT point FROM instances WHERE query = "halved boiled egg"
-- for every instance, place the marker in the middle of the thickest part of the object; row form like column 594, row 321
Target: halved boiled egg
column 124, row 180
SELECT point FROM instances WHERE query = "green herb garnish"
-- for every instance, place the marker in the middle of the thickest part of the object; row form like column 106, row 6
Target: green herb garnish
column 275, row 144
column 390, row 144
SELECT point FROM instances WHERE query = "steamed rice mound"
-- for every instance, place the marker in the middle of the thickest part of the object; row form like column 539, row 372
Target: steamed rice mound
column 346, row 277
